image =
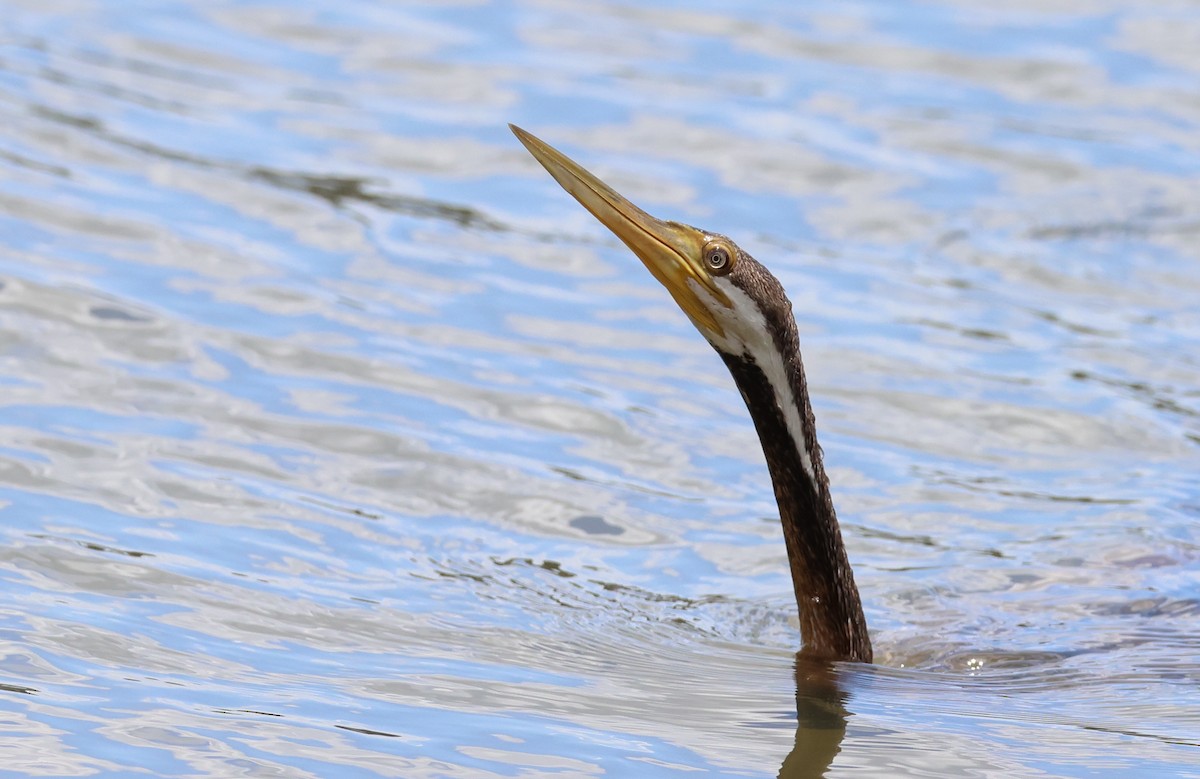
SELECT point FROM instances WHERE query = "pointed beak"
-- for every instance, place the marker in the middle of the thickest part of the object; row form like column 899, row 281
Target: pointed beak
column 671, row 251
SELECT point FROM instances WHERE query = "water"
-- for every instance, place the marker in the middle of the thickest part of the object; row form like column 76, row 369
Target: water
column 339, row 441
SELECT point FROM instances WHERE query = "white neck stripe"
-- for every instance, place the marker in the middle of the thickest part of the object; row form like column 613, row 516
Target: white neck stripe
column 746, row 333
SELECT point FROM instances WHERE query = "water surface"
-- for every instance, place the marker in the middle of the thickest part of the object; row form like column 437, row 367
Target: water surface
column 339, row 441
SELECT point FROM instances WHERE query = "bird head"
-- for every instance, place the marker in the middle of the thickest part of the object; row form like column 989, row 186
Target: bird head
column 732, row 299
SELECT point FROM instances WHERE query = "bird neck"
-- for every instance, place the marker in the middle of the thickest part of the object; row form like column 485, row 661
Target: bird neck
column 832, row 625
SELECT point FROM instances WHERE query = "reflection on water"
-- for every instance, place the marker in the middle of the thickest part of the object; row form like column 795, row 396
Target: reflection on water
column 338, row 442
column 820, row 720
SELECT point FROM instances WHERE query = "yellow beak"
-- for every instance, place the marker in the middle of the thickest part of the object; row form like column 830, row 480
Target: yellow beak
column 671, row 251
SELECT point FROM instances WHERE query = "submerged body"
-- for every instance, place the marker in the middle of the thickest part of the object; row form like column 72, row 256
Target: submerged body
column 744, row 313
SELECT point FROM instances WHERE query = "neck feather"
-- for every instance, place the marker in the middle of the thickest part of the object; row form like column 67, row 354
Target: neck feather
column 831, row 617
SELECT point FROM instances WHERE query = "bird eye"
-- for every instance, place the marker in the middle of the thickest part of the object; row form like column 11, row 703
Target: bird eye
column 718, row 257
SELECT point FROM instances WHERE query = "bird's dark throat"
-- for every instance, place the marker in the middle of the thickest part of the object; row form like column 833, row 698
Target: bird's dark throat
column 831, row 618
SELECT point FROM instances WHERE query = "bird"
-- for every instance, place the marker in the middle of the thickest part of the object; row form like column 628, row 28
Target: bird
column 744, row 313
